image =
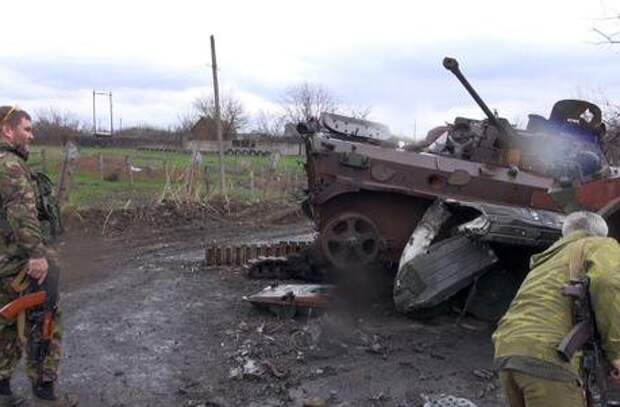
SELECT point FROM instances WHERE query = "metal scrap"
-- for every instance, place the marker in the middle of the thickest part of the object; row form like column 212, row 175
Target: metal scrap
column 292, row 297
column 448, row 401
column 484, row 374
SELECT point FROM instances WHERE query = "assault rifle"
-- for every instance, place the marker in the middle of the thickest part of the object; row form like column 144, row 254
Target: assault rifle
column 585, row 337
column 11, row 310
column 42, row 305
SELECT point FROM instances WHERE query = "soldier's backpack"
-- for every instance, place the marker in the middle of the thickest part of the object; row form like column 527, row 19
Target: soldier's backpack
column 47, row 207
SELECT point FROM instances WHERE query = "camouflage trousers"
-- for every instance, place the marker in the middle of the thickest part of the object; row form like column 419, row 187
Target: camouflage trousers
column 11, row 348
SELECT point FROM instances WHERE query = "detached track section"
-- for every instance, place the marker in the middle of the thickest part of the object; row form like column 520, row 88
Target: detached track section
column 240, row 254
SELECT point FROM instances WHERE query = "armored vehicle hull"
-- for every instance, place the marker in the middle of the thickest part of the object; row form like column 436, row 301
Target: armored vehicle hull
column 368, row 200
column 460, row 212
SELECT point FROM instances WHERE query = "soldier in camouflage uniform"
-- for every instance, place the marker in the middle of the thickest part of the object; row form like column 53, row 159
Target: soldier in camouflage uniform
column 531, row 372
column 25, row 251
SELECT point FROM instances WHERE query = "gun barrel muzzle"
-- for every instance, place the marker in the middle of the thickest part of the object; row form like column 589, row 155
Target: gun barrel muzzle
column 451, row 64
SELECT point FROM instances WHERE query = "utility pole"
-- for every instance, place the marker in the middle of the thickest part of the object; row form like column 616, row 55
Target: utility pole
column 218, row 122
column 96, row 128
column 111, row 119
column 94, row 114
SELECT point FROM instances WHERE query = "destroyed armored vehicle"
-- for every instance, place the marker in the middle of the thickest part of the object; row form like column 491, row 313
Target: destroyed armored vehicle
column 461, row 212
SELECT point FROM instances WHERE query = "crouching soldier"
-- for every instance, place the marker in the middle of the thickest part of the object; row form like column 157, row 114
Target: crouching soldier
column 532, row 371
column 29, row 317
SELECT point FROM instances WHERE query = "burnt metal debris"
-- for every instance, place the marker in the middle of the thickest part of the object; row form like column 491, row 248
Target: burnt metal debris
column 486, row 253
column 448, row 401
column 458, row 214
column 291, row 299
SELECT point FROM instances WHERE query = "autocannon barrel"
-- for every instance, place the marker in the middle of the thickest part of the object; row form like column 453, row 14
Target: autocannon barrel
column 452, row 65
column 506, row 132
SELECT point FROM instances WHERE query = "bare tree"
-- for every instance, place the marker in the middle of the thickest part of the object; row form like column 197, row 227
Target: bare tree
column 58, row 118
column 606, row 27
column 185, row 121
column 54, row 126
column 307, row 100
column 233, row 113
column 271, row 124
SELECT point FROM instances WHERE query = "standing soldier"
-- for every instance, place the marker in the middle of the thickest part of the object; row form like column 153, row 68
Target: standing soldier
column 29, row 219
column 532, row 373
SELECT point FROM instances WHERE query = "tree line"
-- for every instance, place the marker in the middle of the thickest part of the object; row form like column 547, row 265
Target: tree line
column 296, row 104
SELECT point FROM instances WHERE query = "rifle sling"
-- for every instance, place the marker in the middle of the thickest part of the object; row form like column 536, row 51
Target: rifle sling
column 20, row 282
column 577, row 262
column 21, row 328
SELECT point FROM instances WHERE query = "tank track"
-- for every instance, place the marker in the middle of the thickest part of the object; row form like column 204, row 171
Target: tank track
column 306, row 265
column 300, row 260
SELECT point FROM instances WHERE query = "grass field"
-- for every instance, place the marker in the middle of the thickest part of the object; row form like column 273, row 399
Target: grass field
column 167, row 175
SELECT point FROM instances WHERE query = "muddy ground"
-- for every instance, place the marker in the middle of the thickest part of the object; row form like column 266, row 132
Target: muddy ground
column 147, row 324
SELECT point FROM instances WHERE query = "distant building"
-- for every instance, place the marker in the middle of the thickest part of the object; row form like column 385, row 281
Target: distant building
column 205, row 129
column 204, row 138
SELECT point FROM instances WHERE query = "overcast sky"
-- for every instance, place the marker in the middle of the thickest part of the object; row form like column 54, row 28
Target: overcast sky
column 154, row 56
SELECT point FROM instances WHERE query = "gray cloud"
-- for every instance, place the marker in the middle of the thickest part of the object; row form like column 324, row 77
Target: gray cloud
column 517, row 79
column 404, row 85
column 68, row 73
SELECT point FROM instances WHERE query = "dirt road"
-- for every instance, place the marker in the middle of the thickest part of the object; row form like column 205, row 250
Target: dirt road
column 148, row 325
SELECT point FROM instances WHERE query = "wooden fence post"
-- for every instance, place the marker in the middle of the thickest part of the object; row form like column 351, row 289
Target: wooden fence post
column 66, row 174
column 205, row 171
column 252, row 186
column 43, row 160
column 266, row 183
column 164, row 193
column 189, row 178
column 289, row 181
column 129, row 171
column 101, row 167
column 193, row 168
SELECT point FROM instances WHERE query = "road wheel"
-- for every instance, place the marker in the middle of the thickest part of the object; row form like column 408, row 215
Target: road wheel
column 350, row 240
column 494, row 292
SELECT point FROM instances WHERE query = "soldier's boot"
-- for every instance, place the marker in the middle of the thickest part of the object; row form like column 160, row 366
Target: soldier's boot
column 45, row 395
column 7, row 398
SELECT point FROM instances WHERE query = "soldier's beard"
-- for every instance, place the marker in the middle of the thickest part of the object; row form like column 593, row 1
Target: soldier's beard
column 23, row 151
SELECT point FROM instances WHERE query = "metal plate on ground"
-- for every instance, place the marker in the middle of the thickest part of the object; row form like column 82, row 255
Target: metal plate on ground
column 445, row 268
column 297, row 295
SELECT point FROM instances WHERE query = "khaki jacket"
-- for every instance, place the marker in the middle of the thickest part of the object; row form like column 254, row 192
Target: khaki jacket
column 539, row 316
